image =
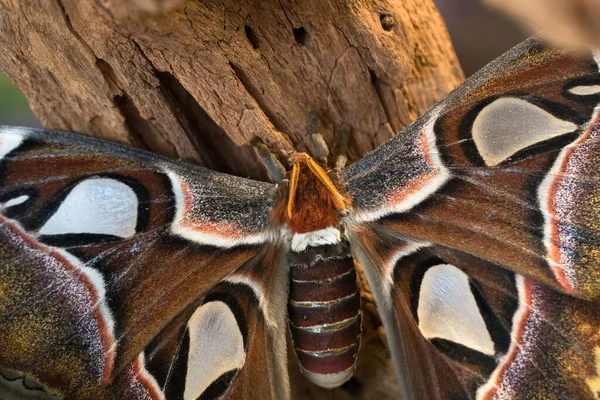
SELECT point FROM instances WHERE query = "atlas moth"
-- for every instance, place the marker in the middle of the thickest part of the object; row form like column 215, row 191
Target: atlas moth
column 125, row 275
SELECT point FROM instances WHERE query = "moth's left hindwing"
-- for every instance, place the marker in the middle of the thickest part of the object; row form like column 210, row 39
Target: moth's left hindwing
column 237, row 334
column 106, row 251
column 478, row 227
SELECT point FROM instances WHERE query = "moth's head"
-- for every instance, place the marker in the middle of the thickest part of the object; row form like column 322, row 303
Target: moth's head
column 313, row 201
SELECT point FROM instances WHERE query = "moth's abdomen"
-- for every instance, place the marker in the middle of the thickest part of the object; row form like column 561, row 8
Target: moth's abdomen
column 324, row 312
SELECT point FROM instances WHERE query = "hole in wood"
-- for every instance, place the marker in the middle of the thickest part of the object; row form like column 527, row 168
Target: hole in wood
column 108, row 73
column 374, row 79
column 300, row 35
column 387, row 21
column 136, row 124
column 252, row 38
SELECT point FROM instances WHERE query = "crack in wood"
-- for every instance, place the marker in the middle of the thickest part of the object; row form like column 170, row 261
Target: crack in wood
column 137, row 126
column 251, row 36
column 71, row 29
column 254, row 92
column 286, row 14
column 387, row 108
column 216, row 149
column 109, row 75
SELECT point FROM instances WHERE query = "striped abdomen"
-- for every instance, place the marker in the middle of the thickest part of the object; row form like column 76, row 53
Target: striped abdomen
column 324, row 312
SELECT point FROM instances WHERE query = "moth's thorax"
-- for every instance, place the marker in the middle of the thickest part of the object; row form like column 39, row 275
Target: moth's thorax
column 314, row 201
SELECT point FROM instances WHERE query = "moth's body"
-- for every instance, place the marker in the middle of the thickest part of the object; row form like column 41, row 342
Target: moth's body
column 324, row 301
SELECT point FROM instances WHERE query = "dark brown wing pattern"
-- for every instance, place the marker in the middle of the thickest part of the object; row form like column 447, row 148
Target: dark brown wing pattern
column 479, row 231
column 103, row 247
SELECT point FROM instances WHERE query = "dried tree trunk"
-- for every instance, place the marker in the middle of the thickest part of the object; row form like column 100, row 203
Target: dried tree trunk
column 200, row 80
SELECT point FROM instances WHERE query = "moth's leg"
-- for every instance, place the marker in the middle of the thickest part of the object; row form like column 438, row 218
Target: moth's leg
column 318, row 146
column 270, row 161
column 342, row 147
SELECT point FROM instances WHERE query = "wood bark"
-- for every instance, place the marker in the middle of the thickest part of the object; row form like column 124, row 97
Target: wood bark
column 200, row 80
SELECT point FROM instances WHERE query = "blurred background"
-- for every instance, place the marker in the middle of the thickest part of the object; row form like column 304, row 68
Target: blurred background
column 479, row 35
column 14, row 108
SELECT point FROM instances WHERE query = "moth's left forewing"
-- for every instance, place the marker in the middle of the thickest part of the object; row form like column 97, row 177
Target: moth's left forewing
column 500, row 178
column 103, row 246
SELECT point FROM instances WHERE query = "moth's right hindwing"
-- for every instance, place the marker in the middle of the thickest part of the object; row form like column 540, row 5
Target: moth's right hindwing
column 474, row 330
column 103, row 246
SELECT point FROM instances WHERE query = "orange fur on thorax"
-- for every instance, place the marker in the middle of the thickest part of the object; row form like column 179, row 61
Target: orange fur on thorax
column 314, row 205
